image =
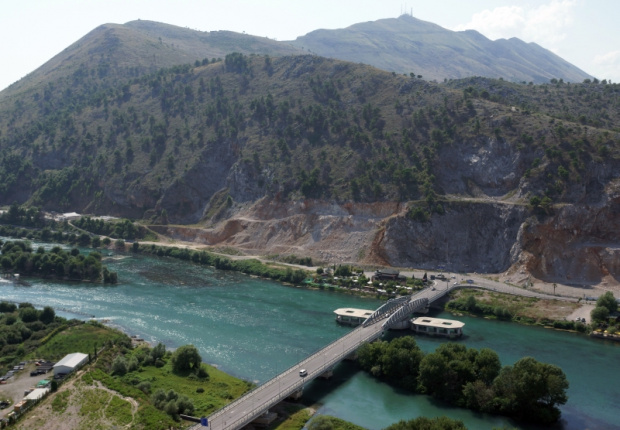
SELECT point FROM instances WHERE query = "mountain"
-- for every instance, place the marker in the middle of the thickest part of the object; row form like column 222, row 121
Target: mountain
column 139, row 47
column 409, row 45
column 300, row 154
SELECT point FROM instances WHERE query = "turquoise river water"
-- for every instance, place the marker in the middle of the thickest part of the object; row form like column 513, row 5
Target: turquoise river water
column 254, row 329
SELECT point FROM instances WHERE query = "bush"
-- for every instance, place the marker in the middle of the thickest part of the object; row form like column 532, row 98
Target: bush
column 119, row 365
column 144, row 386
column 186, row 358
column 564, row 325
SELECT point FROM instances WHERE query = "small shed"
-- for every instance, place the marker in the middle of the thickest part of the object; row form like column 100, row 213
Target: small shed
column 70, row 363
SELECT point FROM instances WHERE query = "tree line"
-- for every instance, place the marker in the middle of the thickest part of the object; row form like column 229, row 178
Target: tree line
column 123, row 229
column 22, row 328
column 528, row 390
column 18, row 256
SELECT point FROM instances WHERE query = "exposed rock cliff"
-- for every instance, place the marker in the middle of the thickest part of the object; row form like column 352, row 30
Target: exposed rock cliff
column 578, row 245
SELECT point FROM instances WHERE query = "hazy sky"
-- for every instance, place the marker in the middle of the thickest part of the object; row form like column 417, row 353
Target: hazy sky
column 585, row 33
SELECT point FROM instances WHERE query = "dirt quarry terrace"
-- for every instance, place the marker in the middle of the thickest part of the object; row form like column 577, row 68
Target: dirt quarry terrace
column 577, row 248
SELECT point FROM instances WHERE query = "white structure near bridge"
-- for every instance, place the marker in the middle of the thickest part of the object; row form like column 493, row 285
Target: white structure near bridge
column 437, row 327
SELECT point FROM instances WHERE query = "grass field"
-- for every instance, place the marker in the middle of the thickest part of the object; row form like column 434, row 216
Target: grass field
column 82, row 338
column 207, row 394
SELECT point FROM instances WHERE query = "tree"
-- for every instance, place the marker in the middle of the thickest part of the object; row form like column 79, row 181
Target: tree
column 158, row 351
column 7, row 307
column 530, row 390
column 401, row 361
column 609, row 301
column 185, row 359
column 84, row 240
column 28, row 314
column 7, row 264
column 487, row 365
column 599, row 314
column 47, row 315
column 433, row 369
column 119, row 365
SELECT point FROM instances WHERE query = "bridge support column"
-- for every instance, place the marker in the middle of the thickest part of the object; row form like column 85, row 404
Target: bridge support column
column 296, row 395
column 352, row 356
column 327, row 374
column 265, row 419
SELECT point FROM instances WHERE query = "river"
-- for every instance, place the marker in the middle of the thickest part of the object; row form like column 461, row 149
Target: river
column 254, row 329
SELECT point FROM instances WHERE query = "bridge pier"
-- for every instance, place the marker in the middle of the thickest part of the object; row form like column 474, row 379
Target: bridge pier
column 265, row 419
column 296, row 395
column 352, row 356
column 327, row 374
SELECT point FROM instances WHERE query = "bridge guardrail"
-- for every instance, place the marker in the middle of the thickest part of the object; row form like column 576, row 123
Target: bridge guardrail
column 333, row 360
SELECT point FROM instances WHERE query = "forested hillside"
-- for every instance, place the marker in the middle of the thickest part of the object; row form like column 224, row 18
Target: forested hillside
column 293, row 127
column 199, row 142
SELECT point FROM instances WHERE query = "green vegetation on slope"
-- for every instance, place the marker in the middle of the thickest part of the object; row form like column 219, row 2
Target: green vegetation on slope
column 162, row 145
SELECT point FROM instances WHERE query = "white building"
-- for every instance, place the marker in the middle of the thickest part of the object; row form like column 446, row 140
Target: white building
column 69, row 216
column 70, row 363
column 437, row 327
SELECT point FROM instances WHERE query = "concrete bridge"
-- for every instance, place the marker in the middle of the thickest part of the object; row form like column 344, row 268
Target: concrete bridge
column 257, row 402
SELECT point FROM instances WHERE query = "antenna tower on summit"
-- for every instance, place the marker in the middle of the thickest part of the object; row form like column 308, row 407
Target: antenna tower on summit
column 403, row 10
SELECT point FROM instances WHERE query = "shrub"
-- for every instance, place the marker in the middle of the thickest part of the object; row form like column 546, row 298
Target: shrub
column 119, row 365
column 144, row 386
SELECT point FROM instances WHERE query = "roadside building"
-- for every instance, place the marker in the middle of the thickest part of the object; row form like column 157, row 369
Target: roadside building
column 386, row 274
column 70, row 363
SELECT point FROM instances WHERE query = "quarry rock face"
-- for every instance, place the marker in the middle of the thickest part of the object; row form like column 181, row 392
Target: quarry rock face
column 467, row 237
column 575, row 245
column 578, row 245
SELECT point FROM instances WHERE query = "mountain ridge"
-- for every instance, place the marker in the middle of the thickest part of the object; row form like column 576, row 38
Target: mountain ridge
column 427, row 49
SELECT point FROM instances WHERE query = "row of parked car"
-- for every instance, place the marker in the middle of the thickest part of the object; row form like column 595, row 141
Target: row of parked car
column 10, row 373
column 43, row 366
